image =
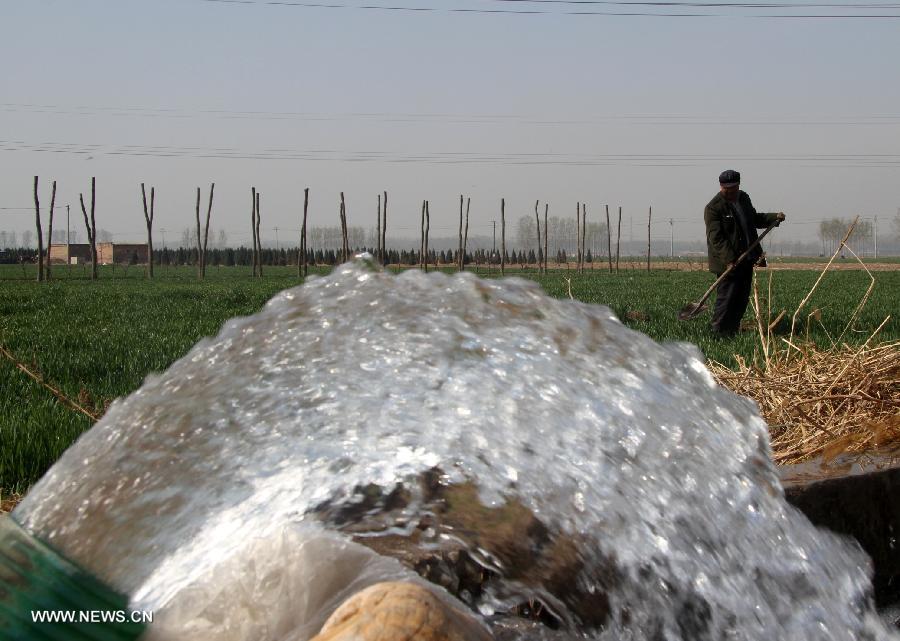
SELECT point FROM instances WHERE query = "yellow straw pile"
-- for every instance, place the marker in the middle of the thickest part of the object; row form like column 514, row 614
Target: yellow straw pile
column 824, row 402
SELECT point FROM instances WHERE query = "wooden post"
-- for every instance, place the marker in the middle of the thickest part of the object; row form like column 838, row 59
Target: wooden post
column 148, row 219
column 608, row 240
column 618, row 239
column 40, row 234
column 546, row 239
column 91, row 227
column 384, row 232
column 459, row 257
column 50, row 229
column 212, row 187
column 68, row 249
column 537, row 220
column 95, row 267
column 427, row 230
column 465, row 236
column 649, row 218
column 253, row 258
column 422, row 237
column 303, row 248
column 259, row 267
column 199, row 246
column 583, row 234
column 344, row 247
column 577, row 236
column 502, row 236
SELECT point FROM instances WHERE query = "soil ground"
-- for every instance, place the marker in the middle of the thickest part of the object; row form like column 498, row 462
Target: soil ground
column 700, row 265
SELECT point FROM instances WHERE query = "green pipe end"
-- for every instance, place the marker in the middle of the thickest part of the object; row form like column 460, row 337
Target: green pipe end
column 44, row 596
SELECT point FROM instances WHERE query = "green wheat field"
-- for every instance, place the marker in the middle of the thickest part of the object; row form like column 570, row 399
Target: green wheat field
column 96, row 341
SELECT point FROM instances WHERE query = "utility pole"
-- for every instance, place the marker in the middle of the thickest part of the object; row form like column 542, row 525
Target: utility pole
column 672, row 238
column 276, row 238
column 162, row 230
column 494, row 244
column 876, row 236
column 68, row 252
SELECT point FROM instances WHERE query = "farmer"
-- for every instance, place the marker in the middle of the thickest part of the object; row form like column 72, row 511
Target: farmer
column 731, row 223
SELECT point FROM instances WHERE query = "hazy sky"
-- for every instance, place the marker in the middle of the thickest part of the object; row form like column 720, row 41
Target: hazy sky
column 637, row 111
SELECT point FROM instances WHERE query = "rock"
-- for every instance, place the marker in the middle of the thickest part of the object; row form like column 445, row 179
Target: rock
column 399, row 611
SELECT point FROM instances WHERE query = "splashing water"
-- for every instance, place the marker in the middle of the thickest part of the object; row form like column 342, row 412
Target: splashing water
column 197, row 493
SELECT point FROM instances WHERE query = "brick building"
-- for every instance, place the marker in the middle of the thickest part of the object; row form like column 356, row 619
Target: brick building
column 76, row 253
column 121, row 253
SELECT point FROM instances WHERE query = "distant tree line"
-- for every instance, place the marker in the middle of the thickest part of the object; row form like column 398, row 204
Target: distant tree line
column 243, row 256
column 832, row 230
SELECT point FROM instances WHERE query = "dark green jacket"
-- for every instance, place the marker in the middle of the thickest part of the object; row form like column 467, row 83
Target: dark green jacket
column 725, row 240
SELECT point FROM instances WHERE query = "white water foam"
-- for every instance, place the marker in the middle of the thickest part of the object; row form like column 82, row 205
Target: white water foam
column 366, row 377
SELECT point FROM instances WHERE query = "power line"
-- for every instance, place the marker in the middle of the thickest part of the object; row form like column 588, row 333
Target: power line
column 449, row 157
column 594, row 12
column 31, row 209
column 742, row 5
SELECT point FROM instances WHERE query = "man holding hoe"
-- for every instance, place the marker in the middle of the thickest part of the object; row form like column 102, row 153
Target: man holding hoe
column 731, row 224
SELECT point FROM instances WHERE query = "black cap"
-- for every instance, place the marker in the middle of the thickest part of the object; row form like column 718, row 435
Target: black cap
column 729, row 178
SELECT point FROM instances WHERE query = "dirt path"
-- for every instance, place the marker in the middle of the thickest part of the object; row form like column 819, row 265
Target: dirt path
column 700, row 266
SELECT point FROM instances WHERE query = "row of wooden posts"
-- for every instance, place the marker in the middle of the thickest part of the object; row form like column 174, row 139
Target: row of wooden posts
column 302, row 264
column 90, row 225
column 580, row 225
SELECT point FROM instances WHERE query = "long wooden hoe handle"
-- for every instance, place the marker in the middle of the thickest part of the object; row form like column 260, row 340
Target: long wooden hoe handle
column 731, row 267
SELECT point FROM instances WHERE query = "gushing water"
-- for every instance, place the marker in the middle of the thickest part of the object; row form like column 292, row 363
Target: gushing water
column 198, row 493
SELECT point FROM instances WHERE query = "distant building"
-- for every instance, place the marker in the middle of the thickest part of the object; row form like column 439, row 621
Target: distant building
column 121, row 253
column 74, row 253
column 107, row 253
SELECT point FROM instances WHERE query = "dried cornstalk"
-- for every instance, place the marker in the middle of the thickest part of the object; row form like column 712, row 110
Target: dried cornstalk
column 820, row 402
column 824, row 402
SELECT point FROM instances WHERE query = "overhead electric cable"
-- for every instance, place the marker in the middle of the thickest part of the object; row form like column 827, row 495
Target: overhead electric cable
column 584, row 12
column 447, row 157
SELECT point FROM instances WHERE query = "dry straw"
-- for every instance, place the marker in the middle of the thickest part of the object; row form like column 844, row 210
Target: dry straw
column 820, row 402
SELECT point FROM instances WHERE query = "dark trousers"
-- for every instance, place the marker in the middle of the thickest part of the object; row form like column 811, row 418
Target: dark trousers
column 732, row 296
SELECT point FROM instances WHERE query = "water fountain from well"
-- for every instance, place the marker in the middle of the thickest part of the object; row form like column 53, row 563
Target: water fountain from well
column 225, row 492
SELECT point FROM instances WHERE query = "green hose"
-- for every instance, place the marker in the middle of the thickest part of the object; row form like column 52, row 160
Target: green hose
column 36, row 582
